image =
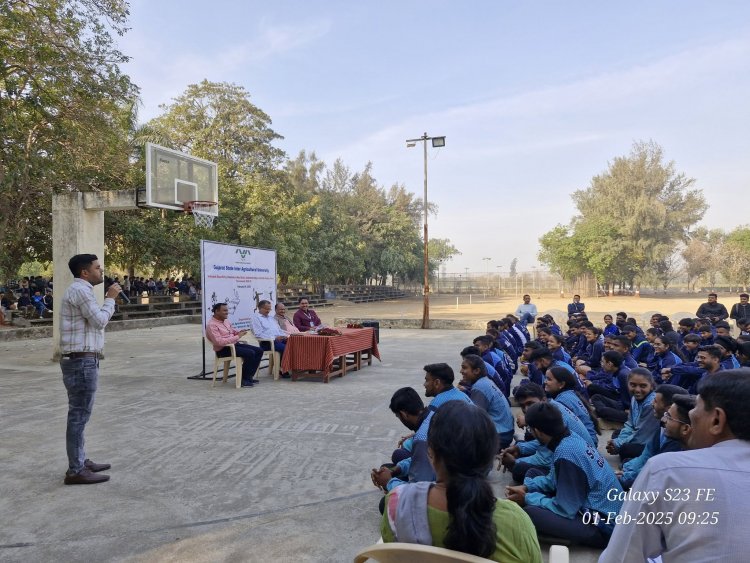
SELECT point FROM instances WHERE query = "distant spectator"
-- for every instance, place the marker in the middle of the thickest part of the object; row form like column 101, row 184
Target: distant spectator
column 741, row 310
column 713, row 311
column 6, row 305
column 526, row 311
column 576, row 306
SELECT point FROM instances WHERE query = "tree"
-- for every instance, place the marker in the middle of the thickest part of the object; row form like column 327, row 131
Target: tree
column 697, row 258
column 513, row 266
column 441, row 249
column 735, row 253
column 61, row 100
column 257, row 201
column 630, row 219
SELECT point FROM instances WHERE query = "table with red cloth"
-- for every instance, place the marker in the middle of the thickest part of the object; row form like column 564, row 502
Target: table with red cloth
column 315, row 355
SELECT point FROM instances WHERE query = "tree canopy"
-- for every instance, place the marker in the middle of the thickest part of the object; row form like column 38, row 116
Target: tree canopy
column 631, row 220
column 63, row 111
column 326, row 224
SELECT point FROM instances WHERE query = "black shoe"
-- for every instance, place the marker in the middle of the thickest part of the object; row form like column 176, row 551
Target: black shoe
column 96, row 467
column 285, row 376
column 247, row 383
column 85, row 477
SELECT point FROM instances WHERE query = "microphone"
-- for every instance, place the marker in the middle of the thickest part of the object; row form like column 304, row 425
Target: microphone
column 125, row 299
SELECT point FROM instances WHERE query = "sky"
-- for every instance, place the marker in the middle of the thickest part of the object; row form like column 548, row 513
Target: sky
column 534, row 98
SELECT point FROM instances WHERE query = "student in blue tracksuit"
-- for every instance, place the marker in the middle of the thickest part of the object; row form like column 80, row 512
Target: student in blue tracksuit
column 518, row 325
column 499, row 359
column 660, row 443
column 505, row 325
column 571, row 336
column 531, row 454
column 504, row 343
column 684, row 327
column 580, row 346
column 489, row 398
column 580, row 483
column 592, row 354
column 689, row 347
column 687, row 375
column 527, row 367
column 728, row 347
column 438, row 383
column 707, row 335
column 639, row 346
column 491, row 371
column 608, row 387
column 641, row 424
column 649, row 361
column 621, row 344
column 543, row 360
column 610, row 328
column 743, row 354
column 561, row 385
column 555, row 345
column 665, row 356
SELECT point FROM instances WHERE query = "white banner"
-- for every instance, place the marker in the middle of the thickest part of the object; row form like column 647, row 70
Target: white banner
column 238, row 276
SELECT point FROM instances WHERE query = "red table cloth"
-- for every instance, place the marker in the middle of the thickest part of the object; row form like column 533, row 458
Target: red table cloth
column 314, row 352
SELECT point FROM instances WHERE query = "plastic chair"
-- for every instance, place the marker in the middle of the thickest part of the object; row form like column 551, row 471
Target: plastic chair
column 415, row 553
column 227, row 360
column 559, row 554
column 274, row 358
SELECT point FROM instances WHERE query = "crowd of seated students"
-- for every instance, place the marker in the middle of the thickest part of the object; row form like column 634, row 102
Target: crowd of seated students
column 646, row 381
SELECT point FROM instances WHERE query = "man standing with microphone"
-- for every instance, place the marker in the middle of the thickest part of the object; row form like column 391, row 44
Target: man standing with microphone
column 82, row 322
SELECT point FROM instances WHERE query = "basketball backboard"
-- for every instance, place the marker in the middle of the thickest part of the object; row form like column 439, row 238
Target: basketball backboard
column 173, row 178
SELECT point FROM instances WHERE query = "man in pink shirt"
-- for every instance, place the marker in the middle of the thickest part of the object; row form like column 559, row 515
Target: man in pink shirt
column 221, row 334
column 284, row 323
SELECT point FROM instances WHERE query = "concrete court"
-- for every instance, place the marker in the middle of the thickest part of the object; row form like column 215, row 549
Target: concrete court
column 279, row 472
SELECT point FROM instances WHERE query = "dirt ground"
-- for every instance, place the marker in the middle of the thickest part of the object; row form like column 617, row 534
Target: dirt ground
column 447, row 307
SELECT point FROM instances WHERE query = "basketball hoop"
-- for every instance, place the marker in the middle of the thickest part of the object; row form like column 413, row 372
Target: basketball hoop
column 204, row 212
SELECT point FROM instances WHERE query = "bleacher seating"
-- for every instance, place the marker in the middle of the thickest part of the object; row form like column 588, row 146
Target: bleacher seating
column 291, row 294
column 366, row 293
column 158, row 306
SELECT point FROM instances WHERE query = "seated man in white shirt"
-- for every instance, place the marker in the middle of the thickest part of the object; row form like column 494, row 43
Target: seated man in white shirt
column 265, row 326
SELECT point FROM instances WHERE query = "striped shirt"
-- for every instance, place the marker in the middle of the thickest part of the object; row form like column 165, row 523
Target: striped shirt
column 82, row 320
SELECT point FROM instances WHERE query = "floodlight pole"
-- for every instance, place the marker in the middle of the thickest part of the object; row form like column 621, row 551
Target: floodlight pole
column 436, row 142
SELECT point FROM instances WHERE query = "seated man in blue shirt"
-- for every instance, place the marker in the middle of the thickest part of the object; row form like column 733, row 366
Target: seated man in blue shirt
column 526, row 311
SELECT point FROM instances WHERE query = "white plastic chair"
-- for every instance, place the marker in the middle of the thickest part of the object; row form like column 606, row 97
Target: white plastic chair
column 274, row 358
column 227, row 361
column 415, row 553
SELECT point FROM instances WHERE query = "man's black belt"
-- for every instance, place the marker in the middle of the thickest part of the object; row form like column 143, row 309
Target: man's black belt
column 81, row 355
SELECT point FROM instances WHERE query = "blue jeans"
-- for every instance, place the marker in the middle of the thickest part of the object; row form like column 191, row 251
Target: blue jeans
column 527, row 319
column 80, row 376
